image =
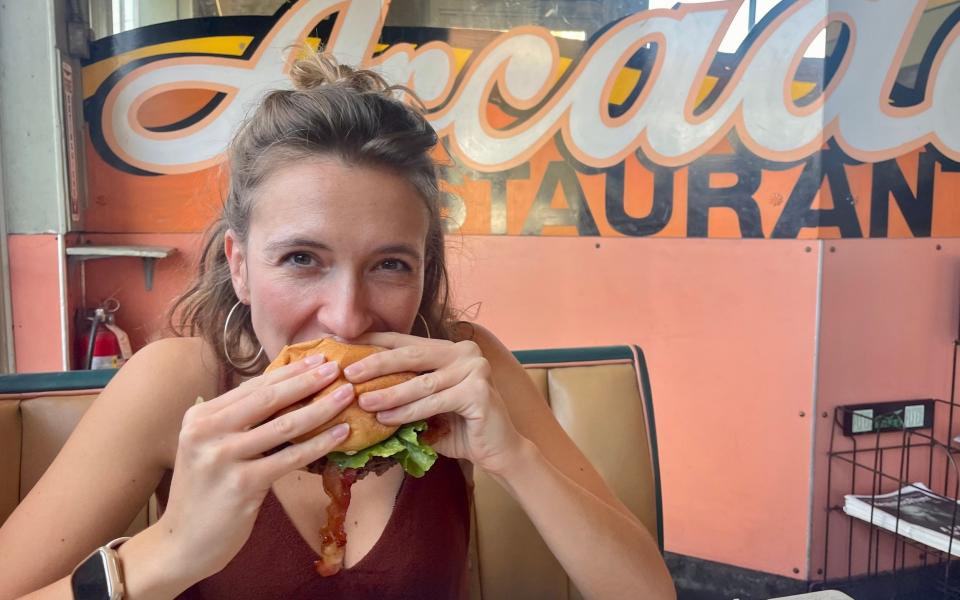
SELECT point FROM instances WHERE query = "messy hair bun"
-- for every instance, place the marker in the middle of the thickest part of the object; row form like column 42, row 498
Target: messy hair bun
column 333, row 110
column 314, row 69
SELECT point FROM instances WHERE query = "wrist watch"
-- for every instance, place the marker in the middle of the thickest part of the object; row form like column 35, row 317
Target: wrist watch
column 99, row 576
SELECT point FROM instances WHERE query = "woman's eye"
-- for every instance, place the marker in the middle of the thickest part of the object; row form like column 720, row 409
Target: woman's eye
column 301, row 259
column 394, row 264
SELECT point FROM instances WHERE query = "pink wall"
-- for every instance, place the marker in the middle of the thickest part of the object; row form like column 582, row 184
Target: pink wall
column 728, row 331
column 728, row 328
column 35, row 302
column 142, row 313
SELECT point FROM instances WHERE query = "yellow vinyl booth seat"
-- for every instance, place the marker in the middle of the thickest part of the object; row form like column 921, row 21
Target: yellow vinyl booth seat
column 601, row 397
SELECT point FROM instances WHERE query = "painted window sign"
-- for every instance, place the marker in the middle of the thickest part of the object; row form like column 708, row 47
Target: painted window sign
column 647, row 128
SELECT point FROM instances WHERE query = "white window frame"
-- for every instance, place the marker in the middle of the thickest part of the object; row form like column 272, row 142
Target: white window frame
column 7, row 363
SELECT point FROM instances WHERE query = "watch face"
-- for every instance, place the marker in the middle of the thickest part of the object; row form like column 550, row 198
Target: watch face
column 89, row 581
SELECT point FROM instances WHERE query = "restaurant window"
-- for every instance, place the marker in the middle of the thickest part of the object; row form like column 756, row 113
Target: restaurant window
column 572, row 19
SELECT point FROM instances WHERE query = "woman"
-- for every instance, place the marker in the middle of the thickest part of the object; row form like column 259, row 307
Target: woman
column 331, row 227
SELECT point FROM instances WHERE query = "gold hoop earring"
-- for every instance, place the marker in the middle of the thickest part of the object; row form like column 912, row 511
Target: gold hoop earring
column 425, row 326
column 226, row 353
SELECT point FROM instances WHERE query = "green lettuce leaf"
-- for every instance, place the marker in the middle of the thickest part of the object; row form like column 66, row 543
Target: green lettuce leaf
column 404, row 446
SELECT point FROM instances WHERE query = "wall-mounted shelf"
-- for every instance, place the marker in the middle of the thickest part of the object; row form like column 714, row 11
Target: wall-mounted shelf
column 148, row 254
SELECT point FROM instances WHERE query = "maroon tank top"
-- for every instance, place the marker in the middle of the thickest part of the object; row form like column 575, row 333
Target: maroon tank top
column 422, row 553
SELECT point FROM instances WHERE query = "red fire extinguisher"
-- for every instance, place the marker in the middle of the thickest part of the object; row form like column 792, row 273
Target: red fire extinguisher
column 106, row 346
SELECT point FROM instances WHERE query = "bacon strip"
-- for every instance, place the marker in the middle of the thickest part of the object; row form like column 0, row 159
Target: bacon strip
column 336, row 484
column 437, row 428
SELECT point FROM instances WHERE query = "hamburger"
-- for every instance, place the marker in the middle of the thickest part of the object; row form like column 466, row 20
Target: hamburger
column 371, row 446
column 369, row 439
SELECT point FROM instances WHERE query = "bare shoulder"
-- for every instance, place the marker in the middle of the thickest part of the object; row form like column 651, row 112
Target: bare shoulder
column 141, row 408
column 190, row 353
column 160, row 382
column 190, row 359
column 181, row 362
column 179, row 368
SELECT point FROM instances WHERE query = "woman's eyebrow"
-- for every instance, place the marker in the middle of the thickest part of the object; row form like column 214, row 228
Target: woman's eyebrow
column 296, row 242
column 405, row 249
column 284, row 244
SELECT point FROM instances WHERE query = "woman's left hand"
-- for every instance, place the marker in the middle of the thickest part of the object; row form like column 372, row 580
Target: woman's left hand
column 455, row 381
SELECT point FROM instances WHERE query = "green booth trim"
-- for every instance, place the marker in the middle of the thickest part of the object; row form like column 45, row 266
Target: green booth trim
column 55, row 381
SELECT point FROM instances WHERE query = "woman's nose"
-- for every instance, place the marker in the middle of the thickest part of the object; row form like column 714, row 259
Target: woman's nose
column 344, row 312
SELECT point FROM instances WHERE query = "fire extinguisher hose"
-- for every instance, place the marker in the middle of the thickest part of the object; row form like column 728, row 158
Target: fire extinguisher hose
column 98, row 314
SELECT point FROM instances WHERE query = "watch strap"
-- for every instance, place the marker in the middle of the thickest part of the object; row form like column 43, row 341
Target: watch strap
column 113, row 545
column 114, row 563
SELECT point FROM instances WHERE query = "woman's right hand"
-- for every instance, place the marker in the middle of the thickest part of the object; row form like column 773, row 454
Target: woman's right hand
column 221, row 475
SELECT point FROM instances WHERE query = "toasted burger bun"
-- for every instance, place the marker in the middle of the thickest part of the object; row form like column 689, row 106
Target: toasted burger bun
column 365, row 429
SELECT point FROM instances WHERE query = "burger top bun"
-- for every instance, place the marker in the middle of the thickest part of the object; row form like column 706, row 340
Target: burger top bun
column 365, row 429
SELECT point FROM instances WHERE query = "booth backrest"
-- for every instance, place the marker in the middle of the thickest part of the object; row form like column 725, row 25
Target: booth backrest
column 38, row 412
column 601, row 397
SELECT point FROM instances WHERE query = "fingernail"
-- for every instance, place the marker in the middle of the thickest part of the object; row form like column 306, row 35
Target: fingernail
column 353, row 370
column 369, row 401
column 386, row 417
column 343, row 392
column 314, row 359
column 340, row 431
column 327, row 369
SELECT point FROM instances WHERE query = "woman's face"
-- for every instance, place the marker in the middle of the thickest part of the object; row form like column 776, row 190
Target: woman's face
column 332, row 249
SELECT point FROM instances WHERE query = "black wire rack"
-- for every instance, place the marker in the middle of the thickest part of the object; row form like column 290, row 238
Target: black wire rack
column 884, row 462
